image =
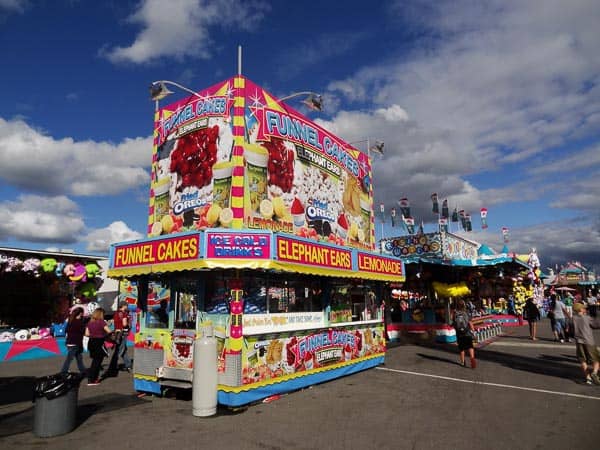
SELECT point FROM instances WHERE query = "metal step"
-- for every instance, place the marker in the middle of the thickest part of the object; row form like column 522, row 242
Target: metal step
column 175, row 383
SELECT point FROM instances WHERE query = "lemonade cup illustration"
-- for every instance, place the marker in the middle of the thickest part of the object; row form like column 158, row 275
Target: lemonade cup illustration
column 252, row 358
column 365, row 210
column 257, row 159
column 161, row 197
column 222, row 183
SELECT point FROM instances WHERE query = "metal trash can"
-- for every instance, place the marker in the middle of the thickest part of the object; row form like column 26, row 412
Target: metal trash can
column 55, row 398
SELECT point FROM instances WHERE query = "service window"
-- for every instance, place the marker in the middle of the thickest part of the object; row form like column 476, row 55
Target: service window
column 186, row 295
column 158, row 304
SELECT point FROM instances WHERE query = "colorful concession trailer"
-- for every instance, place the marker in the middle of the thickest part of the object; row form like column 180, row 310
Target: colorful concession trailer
column 261, row 224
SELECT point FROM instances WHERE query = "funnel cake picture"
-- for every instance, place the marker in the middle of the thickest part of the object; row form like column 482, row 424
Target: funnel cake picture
column 274, row 351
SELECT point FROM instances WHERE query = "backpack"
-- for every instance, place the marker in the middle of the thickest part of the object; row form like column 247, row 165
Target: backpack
column 461, row 322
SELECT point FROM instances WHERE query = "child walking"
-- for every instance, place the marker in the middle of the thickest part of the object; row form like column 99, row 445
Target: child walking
column 587, row 352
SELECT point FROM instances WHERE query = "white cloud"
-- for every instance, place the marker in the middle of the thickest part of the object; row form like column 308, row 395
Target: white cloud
column 181, row 28
column 18, row 6
column 496, row 87
column 99, row 240
column 555, row 242
column 41, row 219
column 32, row 160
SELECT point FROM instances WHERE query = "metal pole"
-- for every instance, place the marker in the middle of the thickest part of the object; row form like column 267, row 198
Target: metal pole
column 239, row 59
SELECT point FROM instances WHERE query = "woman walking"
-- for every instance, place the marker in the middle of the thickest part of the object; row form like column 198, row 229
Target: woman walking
column 75, row 331
column 96, row 330
column 559, row 313
column 464, row 333
column 533, row 315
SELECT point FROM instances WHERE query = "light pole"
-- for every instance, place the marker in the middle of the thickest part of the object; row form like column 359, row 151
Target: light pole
column 159, row 90
column 377, row 147
column 313, row 100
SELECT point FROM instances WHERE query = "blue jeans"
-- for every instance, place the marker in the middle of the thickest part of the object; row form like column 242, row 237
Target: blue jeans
column 560, row 327
column 74, row 351
column 123, row 350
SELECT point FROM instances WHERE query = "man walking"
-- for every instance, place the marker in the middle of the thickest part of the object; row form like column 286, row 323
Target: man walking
column 121, row 327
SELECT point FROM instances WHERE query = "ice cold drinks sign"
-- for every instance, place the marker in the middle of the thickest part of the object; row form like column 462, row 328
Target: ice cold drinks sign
column 238, row 245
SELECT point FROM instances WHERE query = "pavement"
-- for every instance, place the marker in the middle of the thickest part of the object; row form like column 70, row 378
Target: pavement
column 523, row 395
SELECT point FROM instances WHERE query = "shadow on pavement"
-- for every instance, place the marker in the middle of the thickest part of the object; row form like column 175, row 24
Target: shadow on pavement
column 544, row 364
column 22, row 421
column 16, row 389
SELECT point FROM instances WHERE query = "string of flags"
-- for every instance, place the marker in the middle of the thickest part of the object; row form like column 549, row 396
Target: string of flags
column 444, row 217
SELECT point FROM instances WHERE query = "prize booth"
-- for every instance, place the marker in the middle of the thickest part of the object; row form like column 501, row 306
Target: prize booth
column 261, row 225
column 442, row 267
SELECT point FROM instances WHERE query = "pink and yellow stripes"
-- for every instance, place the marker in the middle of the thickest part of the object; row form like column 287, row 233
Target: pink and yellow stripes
column 239, row 137
column 153, row 169
column 372, row 226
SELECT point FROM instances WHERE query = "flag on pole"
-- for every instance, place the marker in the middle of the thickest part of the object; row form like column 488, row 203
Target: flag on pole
column 468, row 225
column 377, row 147
column 443, row 224
column 404, row 207
column 382, row 209
column 484, row 224
column 436, row 206
column 455, row 215
column 409, row 222
column 505, row 234
column 393, row 215
column 445, row 209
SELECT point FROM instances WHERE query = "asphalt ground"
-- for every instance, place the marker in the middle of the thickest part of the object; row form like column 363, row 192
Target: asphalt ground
column 523, row 395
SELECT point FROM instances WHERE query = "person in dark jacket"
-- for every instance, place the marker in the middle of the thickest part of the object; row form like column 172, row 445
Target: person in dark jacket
column 75, row 331
column 532, row 313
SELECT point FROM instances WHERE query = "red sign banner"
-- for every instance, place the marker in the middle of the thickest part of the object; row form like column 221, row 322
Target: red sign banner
column 302, row 252
column 379, row 264
column 181, row 248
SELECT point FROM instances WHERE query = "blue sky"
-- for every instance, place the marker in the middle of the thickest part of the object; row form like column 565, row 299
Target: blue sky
column 491, row 104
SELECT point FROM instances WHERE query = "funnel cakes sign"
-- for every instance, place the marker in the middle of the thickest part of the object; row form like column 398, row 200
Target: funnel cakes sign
column 180, row 248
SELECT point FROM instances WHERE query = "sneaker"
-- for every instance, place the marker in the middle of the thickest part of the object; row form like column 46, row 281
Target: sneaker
column 462, row 363
column 588, row 380
column 595, row 379
column 473, row 363
column 93, row 383
column 562, row 341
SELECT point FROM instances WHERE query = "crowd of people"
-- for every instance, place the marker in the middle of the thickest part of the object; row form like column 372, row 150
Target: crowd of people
column 571, row 318
column 98, row 333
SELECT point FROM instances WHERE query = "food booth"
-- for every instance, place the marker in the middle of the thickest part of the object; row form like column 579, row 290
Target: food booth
column 261, row 225
column 38, row 287
column 442, row 267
